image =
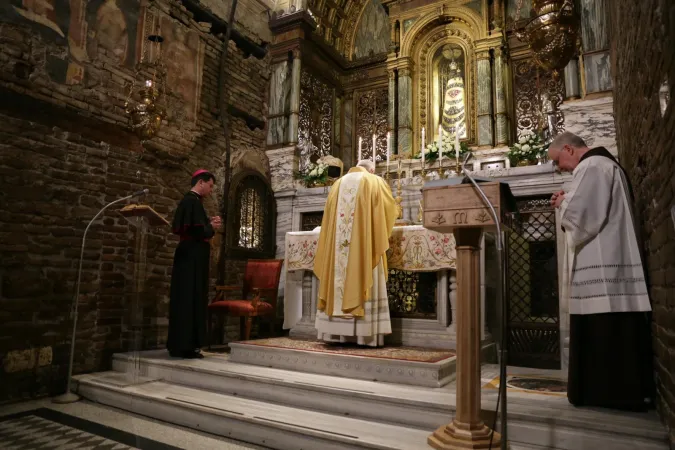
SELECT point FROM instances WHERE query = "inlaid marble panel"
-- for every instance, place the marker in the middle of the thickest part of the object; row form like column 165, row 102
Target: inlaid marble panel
column 598, row 72
column 594, row 27
column 372, row 33
column 404, row 101
column 279, row 103
column 408, row 23
column 485, row 136
column 593, row 121
column 283, row 162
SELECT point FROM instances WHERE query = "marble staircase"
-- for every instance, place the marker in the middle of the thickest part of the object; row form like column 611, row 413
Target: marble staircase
column 289, row 409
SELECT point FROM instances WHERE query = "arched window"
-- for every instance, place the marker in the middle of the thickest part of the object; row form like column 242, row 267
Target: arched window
column 252, row 212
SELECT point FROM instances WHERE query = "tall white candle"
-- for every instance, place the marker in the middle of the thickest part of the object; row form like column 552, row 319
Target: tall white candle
column 388, row 147
column 457, row 146
column 440, row 146
column 374, row 148
column 360, row 143
column 423, row 142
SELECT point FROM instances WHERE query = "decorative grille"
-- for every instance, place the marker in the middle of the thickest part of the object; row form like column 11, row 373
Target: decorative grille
column 532, row 288
column 372, row 115
column 532, row 87
column 412, row 294
column 315, row 127
column 253, row 216
column 311, row 220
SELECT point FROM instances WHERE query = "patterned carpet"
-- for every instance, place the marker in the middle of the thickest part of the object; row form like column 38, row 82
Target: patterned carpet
column 400, row 353
column 48, row 429
column 532, row 384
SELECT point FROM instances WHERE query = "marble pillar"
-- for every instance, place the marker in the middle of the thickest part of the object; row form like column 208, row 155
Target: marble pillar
column 294, row 116
column 485, row 120
column 595, row 44
column 501, row 121
column 392, row 108
column 347, row 139
column 404, row 110
column 572, row 89
column 280, row 91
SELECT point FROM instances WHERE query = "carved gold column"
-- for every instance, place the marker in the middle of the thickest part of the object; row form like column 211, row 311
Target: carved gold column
column 484, row 100
column 294, row 115
column 501, row 119
column 404, row 109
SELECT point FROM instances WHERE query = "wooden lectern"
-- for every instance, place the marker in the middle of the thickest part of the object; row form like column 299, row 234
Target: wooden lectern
column 460, row 209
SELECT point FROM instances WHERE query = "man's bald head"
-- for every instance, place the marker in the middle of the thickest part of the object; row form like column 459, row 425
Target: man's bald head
column 367, row 164
column 566, row 151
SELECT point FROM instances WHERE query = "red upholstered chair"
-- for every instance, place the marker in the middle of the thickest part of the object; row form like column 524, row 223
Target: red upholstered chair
column 261, row 281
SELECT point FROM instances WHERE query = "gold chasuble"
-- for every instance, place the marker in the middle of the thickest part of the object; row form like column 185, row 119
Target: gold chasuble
column 350, row 260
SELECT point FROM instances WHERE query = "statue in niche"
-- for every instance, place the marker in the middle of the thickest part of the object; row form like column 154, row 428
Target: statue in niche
column 450, row 105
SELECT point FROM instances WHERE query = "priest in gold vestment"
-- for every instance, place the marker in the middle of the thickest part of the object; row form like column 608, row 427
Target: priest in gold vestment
column 351, row 262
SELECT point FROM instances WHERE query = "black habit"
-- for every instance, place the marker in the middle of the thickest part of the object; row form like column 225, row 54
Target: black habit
column 610, row 355
column 189, row 277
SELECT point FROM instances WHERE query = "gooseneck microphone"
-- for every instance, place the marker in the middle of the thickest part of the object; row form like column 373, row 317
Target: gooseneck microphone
column 71, row 397
column 501, row 396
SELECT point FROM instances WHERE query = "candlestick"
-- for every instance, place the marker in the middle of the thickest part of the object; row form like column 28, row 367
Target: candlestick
column 360, row 144
column 457, row 147
column 374, row 148
column 440, row 151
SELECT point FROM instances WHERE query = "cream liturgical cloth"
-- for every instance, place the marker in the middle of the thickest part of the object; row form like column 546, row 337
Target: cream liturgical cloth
column 412, row 248
column 358, row 220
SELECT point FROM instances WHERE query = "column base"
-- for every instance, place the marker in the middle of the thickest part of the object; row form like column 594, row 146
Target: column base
column 455, row 436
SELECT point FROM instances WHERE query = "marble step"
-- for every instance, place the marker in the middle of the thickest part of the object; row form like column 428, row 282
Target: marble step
column 415, row 373
column 540, row 421
column 257, row 422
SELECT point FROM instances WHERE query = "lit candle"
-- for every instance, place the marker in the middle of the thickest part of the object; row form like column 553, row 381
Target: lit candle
column 423, row 146
column 388, row 147
column 374, row 148
column 440, row 146
column 360, row 143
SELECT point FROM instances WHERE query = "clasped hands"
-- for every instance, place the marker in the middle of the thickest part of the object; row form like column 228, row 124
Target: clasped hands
column 557, row 199
column 216, row 221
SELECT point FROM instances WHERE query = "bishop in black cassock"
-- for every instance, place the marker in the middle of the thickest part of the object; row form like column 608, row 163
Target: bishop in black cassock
column 190, row 274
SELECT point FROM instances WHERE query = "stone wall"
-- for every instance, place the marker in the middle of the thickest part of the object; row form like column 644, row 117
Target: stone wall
column 643, row 38
column 65, row 151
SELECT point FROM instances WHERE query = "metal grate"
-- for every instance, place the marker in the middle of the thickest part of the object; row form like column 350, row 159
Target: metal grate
column 412, row 294
column 532, row 288
column 311, row 220
column 252, row 214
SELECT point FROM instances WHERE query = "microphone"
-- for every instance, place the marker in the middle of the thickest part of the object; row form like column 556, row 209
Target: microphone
column 501, row 396
column 140, row 193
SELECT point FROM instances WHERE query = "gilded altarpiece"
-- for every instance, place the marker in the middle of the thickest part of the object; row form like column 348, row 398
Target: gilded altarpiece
column 315, row 127
column 371, row 118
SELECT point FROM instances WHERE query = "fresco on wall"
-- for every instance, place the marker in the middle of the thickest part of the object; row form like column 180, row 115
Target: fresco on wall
column 372, row 33
column 76, row 28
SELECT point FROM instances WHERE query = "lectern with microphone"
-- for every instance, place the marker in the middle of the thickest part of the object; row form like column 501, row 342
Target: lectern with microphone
column 460, row 206
column 142, row 216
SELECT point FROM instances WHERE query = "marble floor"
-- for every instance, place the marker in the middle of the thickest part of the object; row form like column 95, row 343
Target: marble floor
column 41, row 424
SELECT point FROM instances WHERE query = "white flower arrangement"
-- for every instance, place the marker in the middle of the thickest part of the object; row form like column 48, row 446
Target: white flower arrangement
column 314, row 174
column 530, row 147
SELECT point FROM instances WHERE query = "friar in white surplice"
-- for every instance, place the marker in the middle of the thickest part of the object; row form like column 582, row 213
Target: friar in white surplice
column 610, row 344
column 350, row 261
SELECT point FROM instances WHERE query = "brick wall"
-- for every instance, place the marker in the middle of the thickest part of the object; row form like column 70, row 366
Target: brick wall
column 643, row 39
column 65, row 151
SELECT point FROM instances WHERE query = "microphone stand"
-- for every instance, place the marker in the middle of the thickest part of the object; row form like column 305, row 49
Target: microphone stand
column 68, row 396
column 503, row 351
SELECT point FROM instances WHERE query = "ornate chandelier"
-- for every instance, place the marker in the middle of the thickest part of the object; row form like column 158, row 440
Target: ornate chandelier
column 551, row 34
column 146, row 105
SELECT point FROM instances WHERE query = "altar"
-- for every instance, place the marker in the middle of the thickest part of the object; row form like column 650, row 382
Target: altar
column 413, row 250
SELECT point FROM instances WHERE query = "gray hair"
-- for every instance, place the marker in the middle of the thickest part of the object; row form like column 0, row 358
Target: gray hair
column 567, row 138
column 367, row 164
